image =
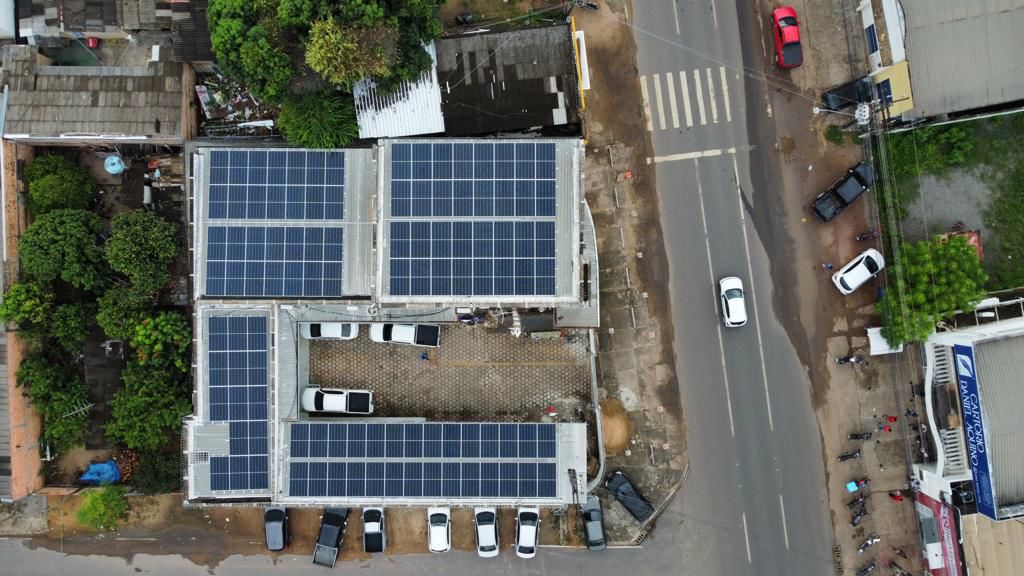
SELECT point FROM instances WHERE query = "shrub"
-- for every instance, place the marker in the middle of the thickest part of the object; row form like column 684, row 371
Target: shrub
column 104, row 508
column 148, row 410
column 320, row 120
column 343, row 55
column 63, row 244
column 56, row 182
column 27, row 303
column 71, row 323
column 58, row 396
column 121, row 308
column 834, row 134
column 162, row 341
column 141, row 247
column 158, row 472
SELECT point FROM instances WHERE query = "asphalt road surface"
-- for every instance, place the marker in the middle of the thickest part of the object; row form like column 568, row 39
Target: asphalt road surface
column 755, row 501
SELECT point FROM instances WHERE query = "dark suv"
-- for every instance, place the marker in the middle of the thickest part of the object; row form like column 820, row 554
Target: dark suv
column 620, row 487
column 275, row 528
column 844, row 191
column 850, row 94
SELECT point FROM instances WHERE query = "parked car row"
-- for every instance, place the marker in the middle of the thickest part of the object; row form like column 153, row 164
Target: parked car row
column 425, row 335
column 334, row 521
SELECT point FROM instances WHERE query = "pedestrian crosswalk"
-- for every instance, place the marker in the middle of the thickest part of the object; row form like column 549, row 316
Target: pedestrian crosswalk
column 702, row 93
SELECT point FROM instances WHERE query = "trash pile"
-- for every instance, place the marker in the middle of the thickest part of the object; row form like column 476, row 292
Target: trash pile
column 230, row 110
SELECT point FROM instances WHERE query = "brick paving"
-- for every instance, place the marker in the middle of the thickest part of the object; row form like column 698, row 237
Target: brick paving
column 476, row 374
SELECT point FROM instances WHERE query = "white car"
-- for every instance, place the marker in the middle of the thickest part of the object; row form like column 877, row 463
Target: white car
column 734, row 306
column 329, row 330
column 439, row 529
column 427, row 335
column 486, row 520
column 337, row 401
column 527, row 531
column 864, row 267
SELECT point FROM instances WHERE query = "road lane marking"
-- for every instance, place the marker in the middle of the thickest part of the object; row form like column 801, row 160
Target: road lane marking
column 675, row 12
column 686, row 99
column 671, row 83
column 753, row 291
column 785, row 531
column 714, row 13
column 647, row 103
column 760, row 24
column 711, row 97
column 711, row 274
column 700, row 97
column 660, row 102
column 746, row 536
column 725, row 93
column 700, row 154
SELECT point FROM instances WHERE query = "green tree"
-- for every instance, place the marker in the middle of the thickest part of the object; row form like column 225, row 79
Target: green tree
column 343, row 55
column 142, row 246
column 158, row 472
column 59, row 396
column 63, row 244
column 56, row 182
column 933, row 281
column 162, row 341
column 71, row 323
column 319, row 120
column 103, row 508
column 121, row 308
column 148, row 410
column 27, row 303
column 267, row 70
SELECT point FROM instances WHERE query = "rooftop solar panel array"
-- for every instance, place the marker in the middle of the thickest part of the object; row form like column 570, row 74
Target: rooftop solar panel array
column 277, row 184
column 472, row 219
column 452, row 460
column 238, row 374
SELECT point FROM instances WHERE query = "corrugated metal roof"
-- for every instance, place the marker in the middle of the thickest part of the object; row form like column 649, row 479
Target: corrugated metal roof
column 413, row 109
column 1000, row 364
column 963, row 55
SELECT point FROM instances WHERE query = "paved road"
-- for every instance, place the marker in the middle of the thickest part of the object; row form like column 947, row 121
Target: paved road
column 755, row 502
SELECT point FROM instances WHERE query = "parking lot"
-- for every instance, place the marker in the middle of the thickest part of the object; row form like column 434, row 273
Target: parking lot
column 477, row 374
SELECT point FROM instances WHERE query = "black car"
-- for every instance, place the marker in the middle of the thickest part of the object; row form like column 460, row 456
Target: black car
column 620, row 487
column 275, row 528
column 844, row 191
column 850, row 94
column 332, row 532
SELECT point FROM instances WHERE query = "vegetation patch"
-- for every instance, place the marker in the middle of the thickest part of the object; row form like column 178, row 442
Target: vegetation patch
column 103, row 509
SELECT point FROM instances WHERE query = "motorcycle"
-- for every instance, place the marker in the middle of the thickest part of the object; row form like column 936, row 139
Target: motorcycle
column 868, row 234
column 858, row 500
column 872, row 539
column 859, row 516
column 849, row 456
column 897, row 569
column 473, row 319
column 852, row 359
column 867, row 569
column 859, row 436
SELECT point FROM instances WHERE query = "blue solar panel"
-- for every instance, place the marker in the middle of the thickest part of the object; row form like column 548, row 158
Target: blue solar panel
column 237, row 359
column 454, row 258
column 274, row 261
column 277, row 184
column 476, row 180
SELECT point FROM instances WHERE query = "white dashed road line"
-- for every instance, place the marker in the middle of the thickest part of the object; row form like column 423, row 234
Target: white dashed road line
column 746, row 536
column 660, row 103
column 686, row 99
column 700, row 97
column 711, row 97
column 647, row 103
column 785, row 531
column 670, row 82
column 725, row 94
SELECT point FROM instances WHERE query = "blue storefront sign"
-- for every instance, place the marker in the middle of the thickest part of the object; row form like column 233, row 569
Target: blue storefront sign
column 974, row 430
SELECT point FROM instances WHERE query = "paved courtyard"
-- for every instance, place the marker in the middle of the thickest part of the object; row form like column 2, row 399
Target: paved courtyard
column 476, row 374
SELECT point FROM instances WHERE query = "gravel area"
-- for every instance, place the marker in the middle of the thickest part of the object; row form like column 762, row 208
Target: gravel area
column 959, row 196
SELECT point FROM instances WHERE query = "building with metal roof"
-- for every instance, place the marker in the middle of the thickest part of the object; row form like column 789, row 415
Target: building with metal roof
column 974, row 401
column 413, row 109
column 507, row 81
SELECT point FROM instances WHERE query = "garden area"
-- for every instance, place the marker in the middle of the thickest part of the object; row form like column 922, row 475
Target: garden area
column 954, row 202
column 92, row 274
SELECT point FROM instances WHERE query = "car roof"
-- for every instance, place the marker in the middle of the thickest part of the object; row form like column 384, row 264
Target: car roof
column 856, row 273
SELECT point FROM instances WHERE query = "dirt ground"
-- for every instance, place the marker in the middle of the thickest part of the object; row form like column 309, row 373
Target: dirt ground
column 491, row 10
column 617, row 426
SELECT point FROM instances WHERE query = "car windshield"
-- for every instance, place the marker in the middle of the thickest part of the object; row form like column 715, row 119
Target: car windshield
column 845, row 285
column 528, row 519
column 734, row 293
column 488, row 548
column 485, row 518
column 871, row 265
column 787, row 21
column 438, row 519
column 526, row 549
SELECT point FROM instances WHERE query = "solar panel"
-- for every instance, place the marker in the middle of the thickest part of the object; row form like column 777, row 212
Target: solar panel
column 276, row 184
column 458, row 258
column 274, row 261
column 237, row 360
column 458, row 467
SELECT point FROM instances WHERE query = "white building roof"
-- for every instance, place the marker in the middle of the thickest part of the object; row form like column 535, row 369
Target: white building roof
column 413, row 109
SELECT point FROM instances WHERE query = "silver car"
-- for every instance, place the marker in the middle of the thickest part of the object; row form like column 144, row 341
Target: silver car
column 593, row 523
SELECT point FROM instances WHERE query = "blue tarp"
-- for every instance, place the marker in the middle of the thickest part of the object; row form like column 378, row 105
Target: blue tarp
column 102, row 473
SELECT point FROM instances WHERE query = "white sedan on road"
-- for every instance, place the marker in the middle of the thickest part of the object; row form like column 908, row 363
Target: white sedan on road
column 858, row 271
column 734, row 305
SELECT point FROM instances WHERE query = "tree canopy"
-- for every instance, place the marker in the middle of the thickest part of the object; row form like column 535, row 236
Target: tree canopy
column 60, row 396
column 141, row 247
column 933, row 281
column 27, row 303
column 56, row 182
column 121, row 308
column 64, row 244
column 149, row 408
column 319, row 120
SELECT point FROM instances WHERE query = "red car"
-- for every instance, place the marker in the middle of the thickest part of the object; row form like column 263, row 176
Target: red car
column 788, row 52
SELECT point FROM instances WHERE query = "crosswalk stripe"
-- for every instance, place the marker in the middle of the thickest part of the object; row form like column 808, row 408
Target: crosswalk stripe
column 700, row 98
column 686, row 99
column 660, row 102
column 725, row 94
column 647, row 103
column 711, row 97
column 671, row 83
